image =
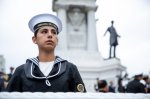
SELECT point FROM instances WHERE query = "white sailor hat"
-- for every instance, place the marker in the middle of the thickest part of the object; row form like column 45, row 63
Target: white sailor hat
column 137, row 74
column 45, row 20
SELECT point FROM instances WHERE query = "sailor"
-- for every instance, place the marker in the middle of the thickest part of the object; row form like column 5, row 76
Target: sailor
column 135, row 86
column 46, row 72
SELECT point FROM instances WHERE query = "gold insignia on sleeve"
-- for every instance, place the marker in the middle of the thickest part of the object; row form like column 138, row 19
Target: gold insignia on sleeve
column 80, row 87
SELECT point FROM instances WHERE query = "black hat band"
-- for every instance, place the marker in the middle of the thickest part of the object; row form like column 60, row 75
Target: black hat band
column 37, row 26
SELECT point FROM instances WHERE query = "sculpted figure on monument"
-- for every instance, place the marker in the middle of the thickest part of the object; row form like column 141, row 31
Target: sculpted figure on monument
column 76, row 28
column 113, row 39
column 76, row 17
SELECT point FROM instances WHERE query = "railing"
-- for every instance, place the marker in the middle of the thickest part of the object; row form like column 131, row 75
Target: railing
column 69, row 95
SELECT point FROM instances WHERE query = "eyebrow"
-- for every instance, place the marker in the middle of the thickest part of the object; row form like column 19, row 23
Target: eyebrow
column 53, row 29
column 43, row 29
column 47, row 28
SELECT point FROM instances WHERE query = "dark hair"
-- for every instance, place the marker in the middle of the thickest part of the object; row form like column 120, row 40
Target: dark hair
column 35, row 33
column 102, row 83
column 145, row 78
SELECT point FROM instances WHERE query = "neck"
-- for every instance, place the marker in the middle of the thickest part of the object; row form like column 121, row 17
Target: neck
column 46, row 56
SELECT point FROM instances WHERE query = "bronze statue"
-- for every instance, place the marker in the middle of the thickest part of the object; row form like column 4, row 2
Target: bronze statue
column 113, row 39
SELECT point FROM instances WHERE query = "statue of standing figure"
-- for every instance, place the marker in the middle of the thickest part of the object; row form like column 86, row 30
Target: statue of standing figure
column 113, row 39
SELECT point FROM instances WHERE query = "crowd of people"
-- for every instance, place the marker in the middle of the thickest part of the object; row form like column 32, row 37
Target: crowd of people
column 4, row 79
column 138, row 84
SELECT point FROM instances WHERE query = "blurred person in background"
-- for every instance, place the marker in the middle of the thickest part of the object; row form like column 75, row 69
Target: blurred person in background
column 1, row 82
column 103, row 86
column 135, row 86
column 147, row 83
column 121, row 88
column 11, row 72
column 96, row 85
column 111, row 87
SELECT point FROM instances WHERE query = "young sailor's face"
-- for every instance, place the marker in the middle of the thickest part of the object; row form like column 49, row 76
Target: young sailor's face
column 46, row 38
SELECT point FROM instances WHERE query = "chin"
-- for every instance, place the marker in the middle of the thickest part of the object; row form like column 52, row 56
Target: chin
column 50, row 48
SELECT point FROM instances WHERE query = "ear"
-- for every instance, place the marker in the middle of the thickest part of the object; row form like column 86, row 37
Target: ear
column 34, row 40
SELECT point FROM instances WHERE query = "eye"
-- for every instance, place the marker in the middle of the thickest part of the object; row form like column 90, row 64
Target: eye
column 44, row 31
column 53, row 31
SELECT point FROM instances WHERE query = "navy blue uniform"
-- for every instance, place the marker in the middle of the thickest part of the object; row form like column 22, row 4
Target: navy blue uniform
column 64, row 77
column 1, row 84
column 135, row 87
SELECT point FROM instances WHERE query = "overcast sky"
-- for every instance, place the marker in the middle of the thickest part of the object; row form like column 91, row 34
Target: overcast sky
column 132, row 22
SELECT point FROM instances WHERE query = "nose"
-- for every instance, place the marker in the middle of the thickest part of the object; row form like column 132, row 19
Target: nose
column 49, row 35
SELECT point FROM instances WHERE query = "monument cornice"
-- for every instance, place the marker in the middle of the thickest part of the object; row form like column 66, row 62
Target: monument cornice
column 58, row 6
column 66, row 6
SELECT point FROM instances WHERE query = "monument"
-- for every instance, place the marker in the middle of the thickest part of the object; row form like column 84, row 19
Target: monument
column 78, row 42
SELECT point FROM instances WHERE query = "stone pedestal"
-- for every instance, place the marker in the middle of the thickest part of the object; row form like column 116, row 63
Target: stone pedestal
column 91, row 66
column 78, row 42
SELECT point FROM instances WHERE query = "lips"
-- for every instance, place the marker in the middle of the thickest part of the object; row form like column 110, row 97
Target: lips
column 49, row 42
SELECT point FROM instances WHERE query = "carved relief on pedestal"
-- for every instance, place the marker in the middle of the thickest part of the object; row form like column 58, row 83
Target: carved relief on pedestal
column 76, row 25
